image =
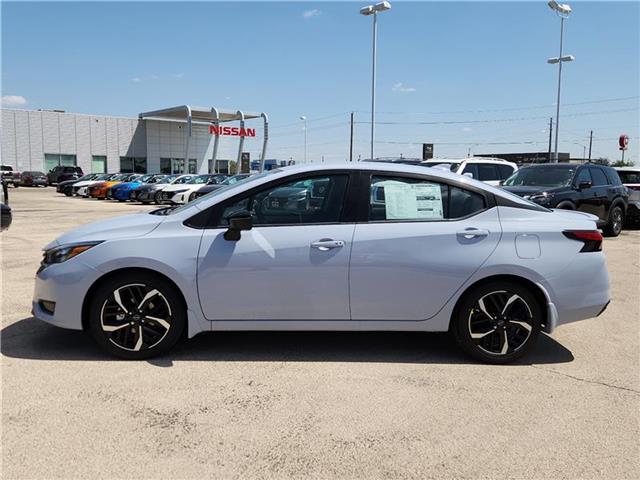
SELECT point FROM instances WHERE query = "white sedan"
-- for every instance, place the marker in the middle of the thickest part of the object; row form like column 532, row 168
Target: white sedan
column 178, row 193
column 330, row 247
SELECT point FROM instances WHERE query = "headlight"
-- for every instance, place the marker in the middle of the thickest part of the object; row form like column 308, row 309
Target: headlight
column 176, row 192
column 64, row 253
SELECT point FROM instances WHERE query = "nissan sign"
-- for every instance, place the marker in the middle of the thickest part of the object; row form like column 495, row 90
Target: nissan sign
column 232, row 131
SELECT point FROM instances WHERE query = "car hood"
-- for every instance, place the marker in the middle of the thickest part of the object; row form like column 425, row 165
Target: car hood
column 180, row 186
column 127, row 226
column 533, row 190
column 127, row 185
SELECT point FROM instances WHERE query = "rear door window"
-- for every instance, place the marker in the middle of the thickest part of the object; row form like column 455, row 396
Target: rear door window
column 487, row 172
column 505, row 171
column 599, row 178
column 413, row 199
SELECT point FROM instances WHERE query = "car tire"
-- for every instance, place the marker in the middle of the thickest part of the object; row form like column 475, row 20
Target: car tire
column 158, row 198
column 615, row 221
column 566, row 206
column 136, row 316
column 192, row 196
column 497, row 322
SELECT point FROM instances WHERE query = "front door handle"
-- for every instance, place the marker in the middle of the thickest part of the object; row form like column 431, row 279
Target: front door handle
column 327, row 244
column 469, row 233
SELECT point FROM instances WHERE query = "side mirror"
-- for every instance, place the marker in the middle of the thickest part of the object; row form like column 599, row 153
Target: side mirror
column 501, row 182
column 584, row 185
column 238, row 221
column 468, row 174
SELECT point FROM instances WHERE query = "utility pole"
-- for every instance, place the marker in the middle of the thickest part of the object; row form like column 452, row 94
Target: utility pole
column 550, row 135
column 351, row 140
column 590, row 143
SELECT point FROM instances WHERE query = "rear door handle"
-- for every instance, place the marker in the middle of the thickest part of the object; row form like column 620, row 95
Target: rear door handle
column 473, row 233
column 327, row 244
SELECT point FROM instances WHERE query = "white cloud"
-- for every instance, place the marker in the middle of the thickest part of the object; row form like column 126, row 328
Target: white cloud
column 311, row 13
column 136, row 79
column 178, row 75
column 13, row 100
column 399, row 87
column 467, row 129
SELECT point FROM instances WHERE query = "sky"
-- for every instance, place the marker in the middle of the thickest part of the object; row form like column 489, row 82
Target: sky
column 470, row 77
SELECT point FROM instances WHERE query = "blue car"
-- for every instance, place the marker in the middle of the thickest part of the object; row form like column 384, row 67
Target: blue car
column 122, row 191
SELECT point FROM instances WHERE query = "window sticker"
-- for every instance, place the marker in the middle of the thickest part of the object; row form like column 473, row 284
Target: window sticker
column 413, row 201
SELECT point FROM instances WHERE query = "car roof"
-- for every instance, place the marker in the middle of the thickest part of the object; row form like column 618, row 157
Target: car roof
column 627, row 169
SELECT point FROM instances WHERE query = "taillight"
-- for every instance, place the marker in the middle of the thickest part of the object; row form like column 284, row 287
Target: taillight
column 592, row 239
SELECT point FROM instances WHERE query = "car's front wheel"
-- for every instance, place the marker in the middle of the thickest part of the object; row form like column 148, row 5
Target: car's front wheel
column 158, row 197
column 498, row 322
column 136, row 316
column 616, row 220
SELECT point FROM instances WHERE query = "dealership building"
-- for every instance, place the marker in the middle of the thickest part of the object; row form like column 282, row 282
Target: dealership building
column 181, row 139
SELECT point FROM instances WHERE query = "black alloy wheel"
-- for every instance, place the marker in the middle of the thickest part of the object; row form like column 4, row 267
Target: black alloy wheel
column 137, row 316
column 498, row 322
column 615, row 223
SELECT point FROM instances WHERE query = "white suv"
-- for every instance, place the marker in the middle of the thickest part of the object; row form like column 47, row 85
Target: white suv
column 488, row 170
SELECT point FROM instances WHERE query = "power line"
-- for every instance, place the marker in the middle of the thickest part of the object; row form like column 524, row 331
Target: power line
column 508, row 109
column 498, row 120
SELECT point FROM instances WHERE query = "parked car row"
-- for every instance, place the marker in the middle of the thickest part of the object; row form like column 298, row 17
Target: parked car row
column 146, row 188
column 611, row 195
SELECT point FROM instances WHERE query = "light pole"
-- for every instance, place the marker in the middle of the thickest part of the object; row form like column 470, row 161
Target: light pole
column 304, row 119
column 563, row 11
column 373, row 10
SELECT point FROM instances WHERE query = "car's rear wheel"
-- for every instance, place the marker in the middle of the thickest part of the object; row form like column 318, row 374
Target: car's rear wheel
column 136, row 316
column 498, row 322
column 616, row 220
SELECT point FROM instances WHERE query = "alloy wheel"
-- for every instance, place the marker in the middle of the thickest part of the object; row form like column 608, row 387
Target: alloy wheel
column 616, row 220
column 500, row 322
column 136, row 317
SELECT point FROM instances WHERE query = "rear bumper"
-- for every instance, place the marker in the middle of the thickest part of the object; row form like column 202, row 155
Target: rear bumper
column 580, row 292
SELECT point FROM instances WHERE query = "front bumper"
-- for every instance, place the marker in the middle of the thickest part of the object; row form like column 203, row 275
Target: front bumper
column 143, row 195
column 66, row 284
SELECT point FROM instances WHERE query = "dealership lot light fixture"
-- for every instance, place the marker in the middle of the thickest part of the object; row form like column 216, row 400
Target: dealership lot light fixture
column 373, row 10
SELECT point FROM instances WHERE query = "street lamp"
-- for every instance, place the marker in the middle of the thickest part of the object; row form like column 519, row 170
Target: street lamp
column 373, row 10
column 304, row 119
column 563, row 11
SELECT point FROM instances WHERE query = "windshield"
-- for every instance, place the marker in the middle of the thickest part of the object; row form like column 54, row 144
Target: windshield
column 181, row 180
column 225, row 188
column 144, row 178
column 541, row 177
column 235, row 179
column 199, row 180
column 629, row 176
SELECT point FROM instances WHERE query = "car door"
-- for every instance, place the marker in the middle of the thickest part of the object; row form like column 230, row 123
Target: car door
column 422, row 240
column 292, row 265
column 586, row 197
column 601, row 193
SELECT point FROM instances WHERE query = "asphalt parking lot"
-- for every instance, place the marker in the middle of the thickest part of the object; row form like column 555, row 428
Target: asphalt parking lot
column 323, row 405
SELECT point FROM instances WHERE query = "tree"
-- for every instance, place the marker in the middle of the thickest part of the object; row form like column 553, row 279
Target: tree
column 622, row 163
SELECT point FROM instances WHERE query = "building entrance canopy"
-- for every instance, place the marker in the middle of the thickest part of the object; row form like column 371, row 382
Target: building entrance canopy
column 214, row 117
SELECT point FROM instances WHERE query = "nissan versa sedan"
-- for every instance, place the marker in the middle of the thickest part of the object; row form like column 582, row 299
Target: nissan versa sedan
column 370, row 247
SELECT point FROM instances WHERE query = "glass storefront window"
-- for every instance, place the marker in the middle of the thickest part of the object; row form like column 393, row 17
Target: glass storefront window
column 52, row 160
column 98, row 164
column 133, row 165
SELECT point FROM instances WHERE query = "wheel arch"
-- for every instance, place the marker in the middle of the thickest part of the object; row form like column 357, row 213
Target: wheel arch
column 540, row 295
column 125, row 271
